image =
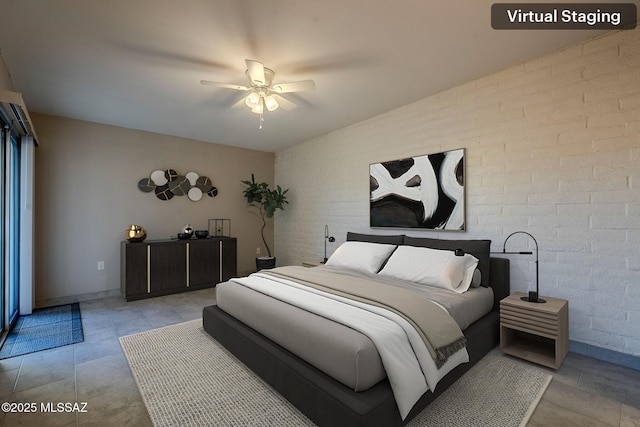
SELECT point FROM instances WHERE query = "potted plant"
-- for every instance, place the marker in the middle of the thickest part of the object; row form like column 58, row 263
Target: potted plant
column 267, row 201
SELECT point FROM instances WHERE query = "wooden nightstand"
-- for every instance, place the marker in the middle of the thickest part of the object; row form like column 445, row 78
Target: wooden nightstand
column 537, row 332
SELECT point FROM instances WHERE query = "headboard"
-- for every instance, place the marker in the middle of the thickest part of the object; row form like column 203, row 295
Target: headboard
column 495, row 271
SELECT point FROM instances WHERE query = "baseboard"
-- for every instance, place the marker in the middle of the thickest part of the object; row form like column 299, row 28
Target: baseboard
column 622, row 359
column 51, row 302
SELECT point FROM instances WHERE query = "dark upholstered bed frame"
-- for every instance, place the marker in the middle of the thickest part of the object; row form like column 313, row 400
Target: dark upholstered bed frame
column 326, row 401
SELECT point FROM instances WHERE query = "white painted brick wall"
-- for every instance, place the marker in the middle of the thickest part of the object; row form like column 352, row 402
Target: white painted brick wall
column 552, row 148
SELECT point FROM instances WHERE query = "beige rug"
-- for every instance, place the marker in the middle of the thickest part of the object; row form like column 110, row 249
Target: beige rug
column 187, row 379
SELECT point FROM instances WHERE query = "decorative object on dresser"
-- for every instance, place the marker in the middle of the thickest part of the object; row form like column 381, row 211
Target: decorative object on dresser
column 220, row 227
column 327, row 238
column 135, row 233
column 161, row 267
column 533, row 296
column 267, row 201
column 419, row 192
column 168, row 183
column 538, row 333
column 186, row 233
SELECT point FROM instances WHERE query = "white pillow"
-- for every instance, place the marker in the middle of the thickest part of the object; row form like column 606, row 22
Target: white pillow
column 433, row 267
column 362, row 256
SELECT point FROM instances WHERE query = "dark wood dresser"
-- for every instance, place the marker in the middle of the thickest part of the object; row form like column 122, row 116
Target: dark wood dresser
column 160, row 267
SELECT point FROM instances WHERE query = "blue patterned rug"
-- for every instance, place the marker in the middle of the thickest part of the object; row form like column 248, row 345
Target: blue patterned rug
column 45, row 328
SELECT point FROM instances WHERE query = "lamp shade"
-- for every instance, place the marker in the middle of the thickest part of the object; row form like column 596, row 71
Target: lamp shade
column 258, row 109
column 252, row 100
column 271, row 103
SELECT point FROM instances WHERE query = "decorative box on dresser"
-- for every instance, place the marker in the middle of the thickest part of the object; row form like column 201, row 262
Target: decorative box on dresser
column 537, row 332
column 161, row 267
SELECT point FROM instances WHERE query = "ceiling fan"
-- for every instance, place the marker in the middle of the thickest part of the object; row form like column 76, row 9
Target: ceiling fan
column 264, row 94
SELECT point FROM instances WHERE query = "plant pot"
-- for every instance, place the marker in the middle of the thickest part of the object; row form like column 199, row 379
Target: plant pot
column 265, row 262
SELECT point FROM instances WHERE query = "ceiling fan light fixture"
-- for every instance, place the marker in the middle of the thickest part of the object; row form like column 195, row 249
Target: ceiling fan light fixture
column 271, row 103
column 259, row 108
column 252, row 100
column 262, row 93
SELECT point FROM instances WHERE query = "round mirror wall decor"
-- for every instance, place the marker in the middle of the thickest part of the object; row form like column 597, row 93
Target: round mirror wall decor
column 146, row 185
column 204, row 184
column 163, row 192
column 180, row 185
column 170, row 174
column 195, row 194
column 158, row 177
column 192, row 177
column 169, row 183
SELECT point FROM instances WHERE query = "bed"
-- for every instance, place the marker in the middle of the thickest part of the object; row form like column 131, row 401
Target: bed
column 341, row 375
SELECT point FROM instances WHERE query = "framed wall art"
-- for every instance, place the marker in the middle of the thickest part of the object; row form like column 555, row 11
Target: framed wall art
column 425, row 192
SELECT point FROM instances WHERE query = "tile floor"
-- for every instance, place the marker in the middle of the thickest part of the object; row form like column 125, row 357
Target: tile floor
column 584, row 392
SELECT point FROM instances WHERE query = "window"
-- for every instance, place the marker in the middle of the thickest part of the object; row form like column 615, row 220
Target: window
column 18, row 142
column 10, row 165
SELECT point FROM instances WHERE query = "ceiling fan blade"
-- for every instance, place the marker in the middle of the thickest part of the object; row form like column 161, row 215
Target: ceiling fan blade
column 294, row 86
column 225, row 85
column 256, row 72
column 284, row 103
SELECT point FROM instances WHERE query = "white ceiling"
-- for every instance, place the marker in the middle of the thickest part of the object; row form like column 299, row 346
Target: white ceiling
column 138, row 63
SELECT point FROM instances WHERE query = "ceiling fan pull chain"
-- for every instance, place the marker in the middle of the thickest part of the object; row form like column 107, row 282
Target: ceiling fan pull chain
column 261, row 121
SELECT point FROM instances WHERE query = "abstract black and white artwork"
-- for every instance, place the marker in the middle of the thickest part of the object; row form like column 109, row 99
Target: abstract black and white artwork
column 419, row 192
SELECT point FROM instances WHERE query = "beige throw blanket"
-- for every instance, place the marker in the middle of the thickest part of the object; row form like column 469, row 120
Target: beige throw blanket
column 441, row 334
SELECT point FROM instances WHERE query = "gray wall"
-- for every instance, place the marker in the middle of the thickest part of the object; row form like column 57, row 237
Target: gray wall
column 87, row 195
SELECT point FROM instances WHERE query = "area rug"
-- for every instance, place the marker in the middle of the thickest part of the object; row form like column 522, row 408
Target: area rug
column 45, row 328
column 187, row 379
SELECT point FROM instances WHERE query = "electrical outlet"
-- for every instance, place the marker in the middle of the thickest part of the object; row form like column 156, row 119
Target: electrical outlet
column 257, row 251
column 100, row 265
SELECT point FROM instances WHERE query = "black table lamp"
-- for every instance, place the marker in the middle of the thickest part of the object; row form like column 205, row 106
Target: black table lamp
column 329, row 238
column 533, row 296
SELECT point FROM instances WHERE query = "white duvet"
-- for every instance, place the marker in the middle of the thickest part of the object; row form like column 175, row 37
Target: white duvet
column 409, row 366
